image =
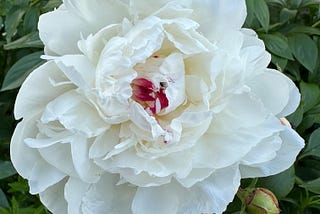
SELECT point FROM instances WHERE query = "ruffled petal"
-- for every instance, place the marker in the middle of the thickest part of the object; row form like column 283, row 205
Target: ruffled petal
column 41, row 86
column 53, row 198
column 73, row 192
column 78, row 70
column 22, row 156
column 105, row 143
column 42, row 176
column 209, row 196
column 28, row 162
column 61, row 159
column 86, row 169
column 291, row 145
column 215, row 193
column 275, row 90
column 211, row 15
column 98, row 13
column 101, row 197
column 158, row 200
column 234, row 145
column 61, row 29
column 67, row 108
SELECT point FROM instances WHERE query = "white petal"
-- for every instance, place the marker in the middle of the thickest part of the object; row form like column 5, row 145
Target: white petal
column 104, row 143
column 22, row 156
column 253, row 51
column 292, row 143
column 195, row 176
column 187, row 40
column 105, row 196
column 59, row 156
column 173, row 69
column 196, row 87
column 136, row 170
column 144, row 8
column 53, row 198
column 214, row 15
column 37, row 90
column 98, row 13
column 98, row 198
column 243, row 110
column 94, row 44
column 265, row 151
column 78, row 69
column 209, row 196
column 86, row 169
column 68, row 108
column 215, row 193
column 61, row 29
column 28, row 162
column 294, row 99
column 43, row 176
column 45, row 142
column 216, row 150
column 274, row 90
column 160, row 200
column 73, row 193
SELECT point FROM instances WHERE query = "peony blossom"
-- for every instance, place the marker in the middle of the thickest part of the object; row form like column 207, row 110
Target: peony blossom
column 151, row 107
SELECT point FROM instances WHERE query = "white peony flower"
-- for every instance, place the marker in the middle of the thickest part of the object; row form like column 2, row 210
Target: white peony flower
column 151, row 107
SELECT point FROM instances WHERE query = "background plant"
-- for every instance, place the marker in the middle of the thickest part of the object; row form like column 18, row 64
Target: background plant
column 291, row 32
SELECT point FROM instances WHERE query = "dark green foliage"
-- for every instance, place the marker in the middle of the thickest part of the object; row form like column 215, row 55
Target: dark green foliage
column 291, row 32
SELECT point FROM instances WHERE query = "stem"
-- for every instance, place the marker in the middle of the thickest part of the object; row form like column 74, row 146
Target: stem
column 253, row 183
column 316, row 24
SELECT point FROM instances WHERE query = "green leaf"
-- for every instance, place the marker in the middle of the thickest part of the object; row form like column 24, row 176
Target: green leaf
column 30, row 40
column 313, row 145
column 6, row 169
column 310, row 95
column 280, row 62
column 1, row 23
column 52, row 4
column 279, row 2
column 12, row 22
column 21, row 69
column 312, row 186
column 31, row 20
column 309, row 2
column 305, row 30
column 3, row 199
column 6, row 126
column 261, row 11
column 296, row 117
column 305, row 50
column 250, row 12
column 277, row 44
column 308, row 121
column 296, row 3
column 280, row 184
column 287, row 14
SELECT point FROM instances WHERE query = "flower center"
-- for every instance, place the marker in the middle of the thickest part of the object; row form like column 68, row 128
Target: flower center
column 152, row 98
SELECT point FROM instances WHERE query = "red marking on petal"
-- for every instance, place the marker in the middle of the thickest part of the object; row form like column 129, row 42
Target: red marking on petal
column 143, row 83
column 145, row 93
column 163, row 99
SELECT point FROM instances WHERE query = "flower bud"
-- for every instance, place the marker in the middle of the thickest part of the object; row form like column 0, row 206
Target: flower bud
column 259, row 201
